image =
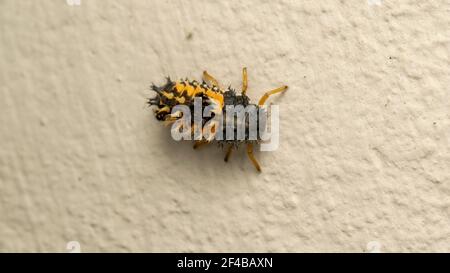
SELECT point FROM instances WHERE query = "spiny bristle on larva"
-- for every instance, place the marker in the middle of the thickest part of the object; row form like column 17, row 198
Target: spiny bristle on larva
column 183, row 92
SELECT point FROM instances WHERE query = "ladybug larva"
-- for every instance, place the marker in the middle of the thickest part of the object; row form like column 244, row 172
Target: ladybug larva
column 187, row 93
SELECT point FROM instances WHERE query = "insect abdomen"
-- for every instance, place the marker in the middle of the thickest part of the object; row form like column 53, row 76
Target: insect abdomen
column 181, row 92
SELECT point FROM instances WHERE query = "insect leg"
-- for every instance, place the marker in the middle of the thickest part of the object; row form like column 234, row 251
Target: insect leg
column 252, row 157
column 227, row 156
column 263, row 99
column 199, row 143
column 244, row 80
column 210, row 78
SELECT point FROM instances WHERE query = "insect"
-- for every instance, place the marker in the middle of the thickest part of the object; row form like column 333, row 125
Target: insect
column 183, row 92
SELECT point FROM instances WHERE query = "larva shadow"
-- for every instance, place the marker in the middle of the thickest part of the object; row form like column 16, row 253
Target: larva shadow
column 182, row 156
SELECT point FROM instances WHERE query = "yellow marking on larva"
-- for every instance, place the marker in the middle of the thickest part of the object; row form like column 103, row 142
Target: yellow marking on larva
column 193, row 91
column 167, row 95
column 217, row 96
column 180, row 100
column 198, row 90
column 179, row 88
column 190, row 90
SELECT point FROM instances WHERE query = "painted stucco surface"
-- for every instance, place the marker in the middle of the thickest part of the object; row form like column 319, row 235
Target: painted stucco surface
column 364, row 155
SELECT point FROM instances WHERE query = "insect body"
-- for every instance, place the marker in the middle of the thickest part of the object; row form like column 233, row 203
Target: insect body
column 184, row 92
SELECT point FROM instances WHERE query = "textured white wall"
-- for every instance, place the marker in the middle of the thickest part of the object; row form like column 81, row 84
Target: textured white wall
column 364, row 153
